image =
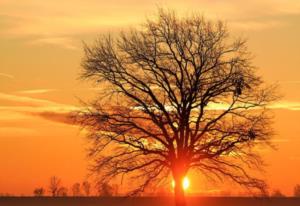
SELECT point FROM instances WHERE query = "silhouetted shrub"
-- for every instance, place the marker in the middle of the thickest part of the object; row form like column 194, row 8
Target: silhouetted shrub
column 297, row 190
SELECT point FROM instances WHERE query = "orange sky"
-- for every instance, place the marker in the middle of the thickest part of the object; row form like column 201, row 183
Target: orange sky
column 41, row 48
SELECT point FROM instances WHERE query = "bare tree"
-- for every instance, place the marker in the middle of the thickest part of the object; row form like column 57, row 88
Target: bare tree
column 76, row 189
column 297, row 190
column 277, row 193
column 86, row 187
column 178, row 94
column 39, row 192
column 107, row 190
column 54, row 186
column 62, row 192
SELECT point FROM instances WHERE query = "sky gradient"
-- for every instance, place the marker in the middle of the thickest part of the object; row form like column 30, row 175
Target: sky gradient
column 41, row 50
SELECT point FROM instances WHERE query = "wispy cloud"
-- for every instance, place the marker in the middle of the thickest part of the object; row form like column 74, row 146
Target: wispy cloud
column 36, row 91
column 11, row 114
column 29, row 106
column 60, row 113
column 63, row 42
column 286, row 105
column 52, row 24
column 43, row 23
column 27, row 101
column 289, row 105
column 7, row 75
column 56, row 116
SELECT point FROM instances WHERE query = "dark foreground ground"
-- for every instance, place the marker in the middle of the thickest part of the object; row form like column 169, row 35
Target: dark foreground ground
column 146, row 201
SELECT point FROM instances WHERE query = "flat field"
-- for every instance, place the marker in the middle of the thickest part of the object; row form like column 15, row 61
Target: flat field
column 146, row 201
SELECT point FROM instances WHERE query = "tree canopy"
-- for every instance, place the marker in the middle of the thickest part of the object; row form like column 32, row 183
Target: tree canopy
column 177, row 94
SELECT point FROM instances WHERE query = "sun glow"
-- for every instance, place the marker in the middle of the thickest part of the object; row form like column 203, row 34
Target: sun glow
column 185, row 183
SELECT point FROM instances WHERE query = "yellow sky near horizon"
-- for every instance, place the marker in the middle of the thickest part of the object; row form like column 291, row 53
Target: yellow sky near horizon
column 41, row 50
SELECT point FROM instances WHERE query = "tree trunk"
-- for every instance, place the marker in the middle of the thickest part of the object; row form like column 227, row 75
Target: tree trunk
column 179, row 192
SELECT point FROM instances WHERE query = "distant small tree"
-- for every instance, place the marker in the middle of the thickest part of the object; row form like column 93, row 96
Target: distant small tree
column 297, row 190
column 106, row 190
column 76, row 189
column 54, row 186
column 62, row 192
column 86, row 187
column 115, row 188
column 277, row 193
column 39, row 192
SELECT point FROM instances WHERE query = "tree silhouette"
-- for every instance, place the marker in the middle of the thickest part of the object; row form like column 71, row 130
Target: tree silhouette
column 297, row 190
column 106, row 190
column 39, row 192
column 62, row 192
column 86, row 187
column 178, row 94
column 76, row 189
column 54, row 186
column 277, row 193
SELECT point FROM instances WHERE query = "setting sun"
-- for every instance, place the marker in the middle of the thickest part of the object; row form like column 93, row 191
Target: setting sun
column 185, row 183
